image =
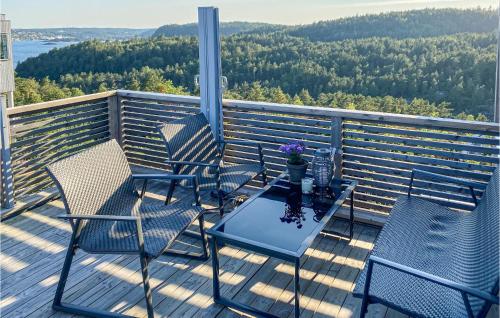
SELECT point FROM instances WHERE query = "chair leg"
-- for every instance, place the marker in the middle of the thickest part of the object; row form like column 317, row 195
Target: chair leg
column 204, row 241
column 364, row 308
column 64, row 275
column 366, row 290
column 202, row 236
column 147, row 287
column 171, row 188
column 58, row 305
column 264, row 178
column 220, row 197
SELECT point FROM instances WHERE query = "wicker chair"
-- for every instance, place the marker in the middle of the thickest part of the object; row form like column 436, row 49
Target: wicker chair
column 430, row 261
column 192, row 149
column 108, row 215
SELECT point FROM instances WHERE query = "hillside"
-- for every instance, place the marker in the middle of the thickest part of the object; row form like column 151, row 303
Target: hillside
column 400, row 25
column 457, row 70
column 226, row 28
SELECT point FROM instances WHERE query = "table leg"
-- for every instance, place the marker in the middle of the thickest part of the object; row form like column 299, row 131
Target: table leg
column 215, row 268
column 297, row 287
column 351, row 216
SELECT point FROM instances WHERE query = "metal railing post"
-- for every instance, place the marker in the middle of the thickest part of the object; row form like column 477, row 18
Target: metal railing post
column 210, row 80
column 6, row 184
column 114, row 117
column 496, row 106
column 336, row 142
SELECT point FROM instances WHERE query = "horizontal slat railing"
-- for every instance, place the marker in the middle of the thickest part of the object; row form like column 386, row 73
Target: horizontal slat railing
column 381, row 156
column 46, row 132
column 141, row 114
column 379, row 150
column 272, row 129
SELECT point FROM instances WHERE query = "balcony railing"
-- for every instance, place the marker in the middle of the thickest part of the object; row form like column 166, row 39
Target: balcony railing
column 379, row 149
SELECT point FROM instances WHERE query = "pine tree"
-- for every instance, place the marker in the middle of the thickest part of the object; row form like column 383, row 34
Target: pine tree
column 256, row 93
column 306, row 97
column 278, row 96
column 297, row 101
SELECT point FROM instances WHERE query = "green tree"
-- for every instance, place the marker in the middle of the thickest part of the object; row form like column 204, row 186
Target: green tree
column 29, row 91
column 278, row 96
column 481, row 117
column 256, row 93
column 297, row 100
column 306, row 97
column 465, row 116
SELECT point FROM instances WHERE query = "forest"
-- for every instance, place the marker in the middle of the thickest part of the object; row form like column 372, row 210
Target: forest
column 226, row 28
column 429, row 69
column 411, row 24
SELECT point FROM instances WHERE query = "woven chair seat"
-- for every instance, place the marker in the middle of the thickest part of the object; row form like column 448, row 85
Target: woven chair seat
column 232, row 176
column 419, row 234
column 161, row 224
column 193, row 150
column 459, row 246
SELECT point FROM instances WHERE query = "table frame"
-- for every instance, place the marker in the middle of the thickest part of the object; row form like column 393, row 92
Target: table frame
column 218, row 238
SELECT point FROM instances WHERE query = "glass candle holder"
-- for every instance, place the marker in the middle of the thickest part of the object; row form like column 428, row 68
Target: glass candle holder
column 307, row 185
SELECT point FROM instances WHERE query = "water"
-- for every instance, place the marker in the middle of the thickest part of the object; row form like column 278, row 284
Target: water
column 25, row 49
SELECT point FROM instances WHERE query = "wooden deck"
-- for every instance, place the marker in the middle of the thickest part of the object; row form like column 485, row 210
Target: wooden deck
column 34, row 246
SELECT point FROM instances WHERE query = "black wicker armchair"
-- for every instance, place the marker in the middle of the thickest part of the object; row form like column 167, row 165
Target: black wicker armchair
column 193, row 150
column 108, row 215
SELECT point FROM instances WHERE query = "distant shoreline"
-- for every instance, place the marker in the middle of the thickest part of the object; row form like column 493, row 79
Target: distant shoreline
column 47, row 40
column 24, row 49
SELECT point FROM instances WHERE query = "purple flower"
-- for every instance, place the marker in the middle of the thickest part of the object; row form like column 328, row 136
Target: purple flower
column 294, row 151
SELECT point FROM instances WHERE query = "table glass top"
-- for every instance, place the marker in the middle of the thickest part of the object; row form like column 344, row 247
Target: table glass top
column 282, row 216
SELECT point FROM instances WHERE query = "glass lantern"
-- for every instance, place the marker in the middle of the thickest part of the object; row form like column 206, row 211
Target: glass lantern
column 322, row 166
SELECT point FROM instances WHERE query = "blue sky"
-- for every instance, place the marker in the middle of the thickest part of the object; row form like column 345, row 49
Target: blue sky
column 153, row 13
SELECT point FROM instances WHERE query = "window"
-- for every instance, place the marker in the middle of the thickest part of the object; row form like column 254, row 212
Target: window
column 4, row 50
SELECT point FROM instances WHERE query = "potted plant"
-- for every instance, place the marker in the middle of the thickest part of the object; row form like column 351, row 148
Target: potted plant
column 296, row 164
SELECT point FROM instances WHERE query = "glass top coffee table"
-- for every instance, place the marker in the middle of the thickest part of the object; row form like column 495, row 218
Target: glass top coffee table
column 279, row 221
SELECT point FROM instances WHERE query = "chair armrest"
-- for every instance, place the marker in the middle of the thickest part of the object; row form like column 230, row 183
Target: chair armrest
column 244, row 143
column 471, row 185
column 164, row 176
column 435, row 279
column 239, row 142
column 192, row 163
column 440, row 177
column 126, row 218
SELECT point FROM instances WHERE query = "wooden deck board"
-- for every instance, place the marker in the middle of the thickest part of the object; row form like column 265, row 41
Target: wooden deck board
column 322, row 282
column 311, row 265
column 34, row 246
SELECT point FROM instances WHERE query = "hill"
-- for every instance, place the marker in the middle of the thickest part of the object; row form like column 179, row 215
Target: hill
column 226, row 28
column 457, row 69
column 407, row 24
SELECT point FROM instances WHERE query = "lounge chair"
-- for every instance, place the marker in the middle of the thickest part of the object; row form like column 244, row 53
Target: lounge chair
column 108, row 215
column 431, row 261
column 192, row 149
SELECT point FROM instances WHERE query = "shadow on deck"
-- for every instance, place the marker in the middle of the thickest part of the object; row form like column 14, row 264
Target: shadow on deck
column 34, row 246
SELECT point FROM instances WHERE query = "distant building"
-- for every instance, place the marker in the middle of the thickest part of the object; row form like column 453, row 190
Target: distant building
column 6, row 61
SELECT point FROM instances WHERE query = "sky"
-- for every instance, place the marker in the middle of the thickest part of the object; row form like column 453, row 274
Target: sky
column 154, row 13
